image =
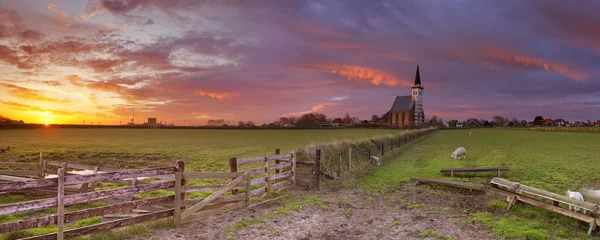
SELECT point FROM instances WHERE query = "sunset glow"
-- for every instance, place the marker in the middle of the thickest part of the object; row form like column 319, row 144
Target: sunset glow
column 187, row 62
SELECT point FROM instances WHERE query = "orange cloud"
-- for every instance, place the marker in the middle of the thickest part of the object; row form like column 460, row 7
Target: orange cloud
column 29, row 94
column 317, row 108
column 365, row 74
column 570, row 72
column 217, row 95
column 52, row 7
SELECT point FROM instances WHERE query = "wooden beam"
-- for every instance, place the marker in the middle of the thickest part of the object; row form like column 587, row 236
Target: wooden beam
column 520, row 188
column 108, row 225
column 188, row 212
column 481, row 169
column 281, row 184
column 222, row 175
column 81, row 198
column 280, row 166
column 255, row 171
column 81, row 214
column 281, row 175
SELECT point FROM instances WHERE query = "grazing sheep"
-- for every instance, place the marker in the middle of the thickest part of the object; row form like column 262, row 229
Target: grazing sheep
column 461, row 151
column 470, row 133
column 576, row 196
column 376, row 159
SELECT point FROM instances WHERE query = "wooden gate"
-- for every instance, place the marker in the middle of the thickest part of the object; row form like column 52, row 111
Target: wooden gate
column 214, row 204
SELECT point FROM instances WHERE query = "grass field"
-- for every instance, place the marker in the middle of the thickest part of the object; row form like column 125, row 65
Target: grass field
column 207, row 150
column 553, row 161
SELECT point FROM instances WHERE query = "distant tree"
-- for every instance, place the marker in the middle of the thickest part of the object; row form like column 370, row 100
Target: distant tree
column 516, row 120
column 311, row 119
column 498, row 120
column 538, row 121
column 241, row 124
column 347, row 115
column 337, row 120
column 250, row 124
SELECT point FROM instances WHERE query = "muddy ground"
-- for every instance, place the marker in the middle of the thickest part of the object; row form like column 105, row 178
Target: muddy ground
column 402, row 213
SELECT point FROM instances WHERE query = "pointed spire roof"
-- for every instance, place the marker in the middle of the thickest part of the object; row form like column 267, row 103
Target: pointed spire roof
column 418, row 77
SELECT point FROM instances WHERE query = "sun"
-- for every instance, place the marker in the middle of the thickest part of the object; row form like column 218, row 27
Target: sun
column 46, row 123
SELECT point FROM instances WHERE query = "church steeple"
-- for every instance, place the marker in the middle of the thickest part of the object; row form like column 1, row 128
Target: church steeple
column 418, row 77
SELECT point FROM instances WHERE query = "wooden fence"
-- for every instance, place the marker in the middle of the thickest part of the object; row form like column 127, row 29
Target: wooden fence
column 268, row 173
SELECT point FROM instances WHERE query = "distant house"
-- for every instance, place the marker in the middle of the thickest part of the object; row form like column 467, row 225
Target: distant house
column 597, row 123
column 459, row 124
column 452, row 123
column 348, row 121
column 486, row 123
column 567, row 123
column 538, row 121
column 473, row 123
column 559, row 122
column 510, row 124
column 524, row 123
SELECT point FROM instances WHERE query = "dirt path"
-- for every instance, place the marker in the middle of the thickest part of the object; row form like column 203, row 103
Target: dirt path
column 404, row 213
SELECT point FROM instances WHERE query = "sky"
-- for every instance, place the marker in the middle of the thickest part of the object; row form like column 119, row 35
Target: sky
column 189, row 61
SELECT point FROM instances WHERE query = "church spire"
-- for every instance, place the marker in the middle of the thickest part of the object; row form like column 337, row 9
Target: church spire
column 418, row 77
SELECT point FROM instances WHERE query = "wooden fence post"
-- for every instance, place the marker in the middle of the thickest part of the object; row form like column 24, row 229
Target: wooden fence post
column 94, row 183
column 349, row 159
column 268, row 175
column 233, row 168
column 294, row 168
column 60, row 205
column 248, row 187
column 339, row 170
column 42, row 170
column 180, row 190
column 317, row 170
column 277, row 152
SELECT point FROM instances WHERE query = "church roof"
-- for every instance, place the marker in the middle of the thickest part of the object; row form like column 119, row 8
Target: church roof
column 402, row 103
column 417, row 77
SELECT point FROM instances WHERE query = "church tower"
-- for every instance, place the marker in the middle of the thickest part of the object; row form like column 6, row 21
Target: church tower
column 417, row 97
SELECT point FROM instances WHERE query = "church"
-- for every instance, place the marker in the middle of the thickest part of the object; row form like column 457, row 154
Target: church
column 407, row 111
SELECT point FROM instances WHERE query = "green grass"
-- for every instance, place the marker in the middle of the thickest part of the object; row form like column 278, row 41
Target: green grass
column 553, row 161
column 433, row 234
column 207, row 150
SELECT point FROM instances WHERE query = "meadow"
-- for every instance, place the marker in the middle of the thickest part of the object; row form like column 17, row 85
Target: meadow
column 554, row 161
column 206, row 150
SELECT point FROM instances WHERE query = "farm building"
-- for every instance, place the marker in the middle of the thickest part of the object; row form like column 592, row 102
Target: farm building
column 559, row 122
column 486, row 123
column 524, row 123
column 510, row 124
column 459, row 124
column 407, row 111
column 538, row 121
column 473, row 123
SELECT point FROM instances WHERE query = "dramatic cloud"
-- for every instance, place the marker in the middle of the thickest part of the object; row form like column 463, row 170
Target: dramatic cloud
column 191, row 61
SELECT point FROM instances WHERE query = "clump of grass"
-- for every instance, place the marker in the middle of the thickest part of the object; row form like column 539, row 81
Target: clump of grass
column 348, row 212
column 433, row 234
column 86, row 222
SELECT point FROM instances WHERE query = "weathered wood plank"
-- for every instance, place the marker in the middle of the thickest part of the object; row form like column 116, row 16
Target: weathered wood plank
column 80, row 198
column 178, row 200
column 520, row 188
column 79, row 179
column 258, row 181
column 258, row 192
column 305, row 162
column 280, row 166
column 546, row 206
column 108, row 225
column 281, row 175
column 248, row 181
column 195, row 175
column 211, row 212
column 188, row 212
column 60, row 210
column 222, row 199
column 482, row 169
column 213, row 188
column 244, row 161
column 81, row 214
column 280, row 157
column 472, row 186
column 281, row 184
column 255, row 171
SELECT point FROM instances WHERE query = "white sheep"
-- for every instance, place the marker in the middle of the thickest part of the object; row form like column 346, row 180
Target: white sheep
column 576, row 196
column 461, row 151
column 470, row 133
column 376, row 159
